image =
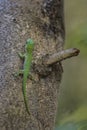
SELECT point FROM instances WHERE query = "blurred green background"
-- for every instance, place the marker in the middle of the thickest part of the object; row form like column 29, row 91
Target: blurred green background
column 72, row 104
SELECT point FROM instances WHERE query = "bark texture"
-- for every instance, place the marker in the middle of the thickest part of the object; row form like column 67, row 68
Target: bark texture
column 41, row 20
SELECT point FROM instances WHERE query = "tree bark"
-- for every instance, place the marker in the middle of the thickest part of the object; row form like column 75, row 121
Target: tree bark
column 43, row 21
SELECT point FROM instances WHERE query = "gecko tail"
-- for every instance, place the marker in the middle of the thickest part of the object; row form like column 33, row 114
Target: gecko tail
column 26, row 105
column 25, row 96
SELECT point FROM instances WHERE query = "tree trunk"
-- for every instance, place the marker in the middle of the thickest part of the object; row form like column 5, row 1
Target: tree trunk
column 41, row 20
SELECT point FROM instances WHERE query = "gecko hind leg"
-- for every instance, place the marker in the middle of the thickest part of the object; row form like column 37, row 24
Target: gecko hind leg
column 31, row 76
column 20, row 72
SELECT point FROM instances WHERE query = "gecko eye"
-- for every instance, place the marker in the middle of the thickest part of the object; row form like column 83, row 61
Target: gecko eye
column 29, row 41
column 29, row 45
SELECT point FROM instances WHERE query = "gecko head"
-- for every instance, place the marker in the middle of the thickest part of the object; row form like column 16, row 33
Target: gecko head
column 29, row 45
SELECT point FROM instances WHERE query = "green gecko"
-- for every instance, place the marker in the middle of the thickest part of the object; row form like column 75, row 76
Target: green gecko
column 26, row 68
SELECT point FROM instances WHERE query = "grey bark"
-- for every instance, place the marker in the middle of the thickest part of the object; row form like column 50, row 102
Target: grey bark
column 43, row 21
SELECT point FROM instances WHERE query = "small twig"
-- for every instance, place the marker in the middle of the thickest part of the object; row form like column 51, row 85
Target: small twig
column 60, row 56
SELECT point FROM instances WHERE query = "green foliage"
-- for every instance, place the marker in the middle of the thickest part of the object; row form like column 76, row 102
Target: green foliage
column 76, row 121
column 73, row 91
column 67, row 126
column 78, row 38
column 77, row 116
column 73, row 126
column 76, row 24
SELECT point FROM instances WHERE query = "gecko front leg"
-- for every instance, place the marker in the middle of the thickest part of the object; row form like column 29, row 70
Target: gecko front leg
column 22, row 56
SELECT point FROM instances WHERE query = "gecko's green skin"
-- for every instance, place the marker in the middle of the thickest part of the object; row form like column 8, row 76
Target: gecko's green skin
column 26, row 68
